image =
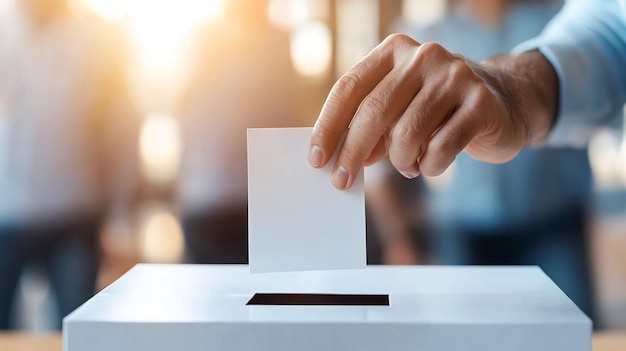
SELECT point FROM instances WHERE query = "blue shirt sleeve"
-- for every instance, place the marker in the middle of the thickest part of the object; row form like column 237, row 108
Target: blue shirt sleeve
column 586, row 44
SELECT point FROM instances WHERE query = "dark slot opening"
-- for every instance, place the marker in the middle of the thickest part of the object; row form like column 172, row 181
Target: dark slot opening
column 319, row 299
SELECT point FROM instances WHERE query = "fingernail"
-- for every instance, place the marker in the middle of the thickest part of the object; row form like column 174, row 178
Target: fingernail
column 316, row 156
column 340, row 178
column 409, row 175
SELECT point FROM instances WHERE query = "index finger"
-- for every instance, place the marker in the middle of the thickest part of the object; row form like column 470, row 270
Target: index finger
column 342, row 103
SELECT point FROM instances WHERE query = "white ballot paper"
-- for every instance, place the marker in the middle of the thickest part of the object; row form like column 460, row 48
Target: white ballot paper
column 296, row 219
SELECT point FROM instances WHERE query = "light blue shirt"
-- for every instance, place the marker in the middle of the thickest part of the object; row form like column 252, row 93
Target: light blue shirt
column 586, row 44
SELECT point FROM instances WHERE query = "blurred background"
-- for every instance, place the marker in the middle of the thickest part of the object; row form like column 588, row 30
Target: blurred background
column 122, row 140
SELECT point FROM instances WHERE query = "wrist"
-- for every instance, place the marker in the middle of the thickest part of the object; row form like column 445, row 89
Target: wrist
column 528, row 85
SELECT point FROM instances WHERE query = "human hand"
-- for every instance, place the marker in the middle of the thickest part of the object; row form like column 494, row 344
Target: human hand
column 422, row 106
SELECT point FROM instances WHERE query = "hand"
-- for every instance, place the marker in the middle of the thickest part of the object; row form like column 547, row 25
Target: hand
column 422, row 106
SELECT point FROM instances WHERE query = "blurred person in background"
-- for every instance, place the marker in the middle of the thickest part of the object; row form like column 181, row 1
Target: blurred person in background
column 531, row 210
column 397, row 226
column 66, row 148
column 243, row 79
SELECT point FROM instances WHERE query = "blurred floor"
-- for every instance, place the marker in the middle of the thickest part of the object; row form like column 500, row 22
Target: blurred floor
column 35, row 302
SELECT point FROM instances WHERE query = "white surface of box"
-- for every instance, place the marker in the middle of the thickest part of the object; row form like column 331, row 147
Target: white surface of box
column 203, row 307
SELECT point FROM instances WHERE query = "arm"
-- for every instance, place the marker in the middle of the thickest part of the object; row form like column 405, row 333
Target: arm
column 422, row 105
column 586, row 43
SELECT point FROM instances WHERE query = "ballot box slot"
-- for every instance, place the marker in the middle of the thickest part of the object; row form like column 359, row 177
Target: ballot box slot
column 278, row 299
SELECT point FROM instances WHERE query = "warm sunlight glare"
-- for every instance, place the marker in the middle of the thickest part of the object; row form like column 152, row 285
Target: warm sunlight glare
column 161, row 33
column 161, row 238
column 311, row 49
column 158, row 29
column 193, row 10
column 423, row 12
column 288, row 14
column 3, row 5
column 160, row 25
column 603, row 156
column 203, row 10
column 160, row 148
column 112, row 10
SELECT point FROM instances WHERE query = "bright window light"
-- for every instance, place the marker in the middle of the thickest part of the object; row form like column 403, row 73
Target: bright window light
column 161, row 237
column 289, row 14
column 193, row 10
column 112, row 10
column 603, row 156
column 160, row 148
column 197, row 11
column 423, row 12
column 160, row 32
column 158, row 29
column 357, row 31
column 311, row 49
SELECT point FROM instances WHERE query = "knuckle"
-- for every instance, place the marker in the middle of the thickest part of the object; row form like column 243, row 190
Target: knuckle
column 433, row 165
column 341, row 92
column 429, row 53
column 350, row 156
column 415, row 62
column 460, row 71
column 322, row 130
column 432, row 49
column 482, row 94
column 457, row 139
column 398, row 39
column 441, row 147
column 345, row 86
column 397, row 46
column 480, row 98
column 330, row 108
column 419, row 120
column 373, row 110
column 405, row 134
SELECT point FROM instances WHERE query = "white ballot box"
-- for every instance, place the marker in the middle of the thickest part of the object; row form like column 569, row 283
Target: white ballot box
column 225, row 307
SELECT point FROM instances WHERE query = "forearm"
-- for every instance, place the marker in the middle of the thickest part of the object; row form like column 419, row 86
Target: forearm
column 529, row 85
column 586, row 44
